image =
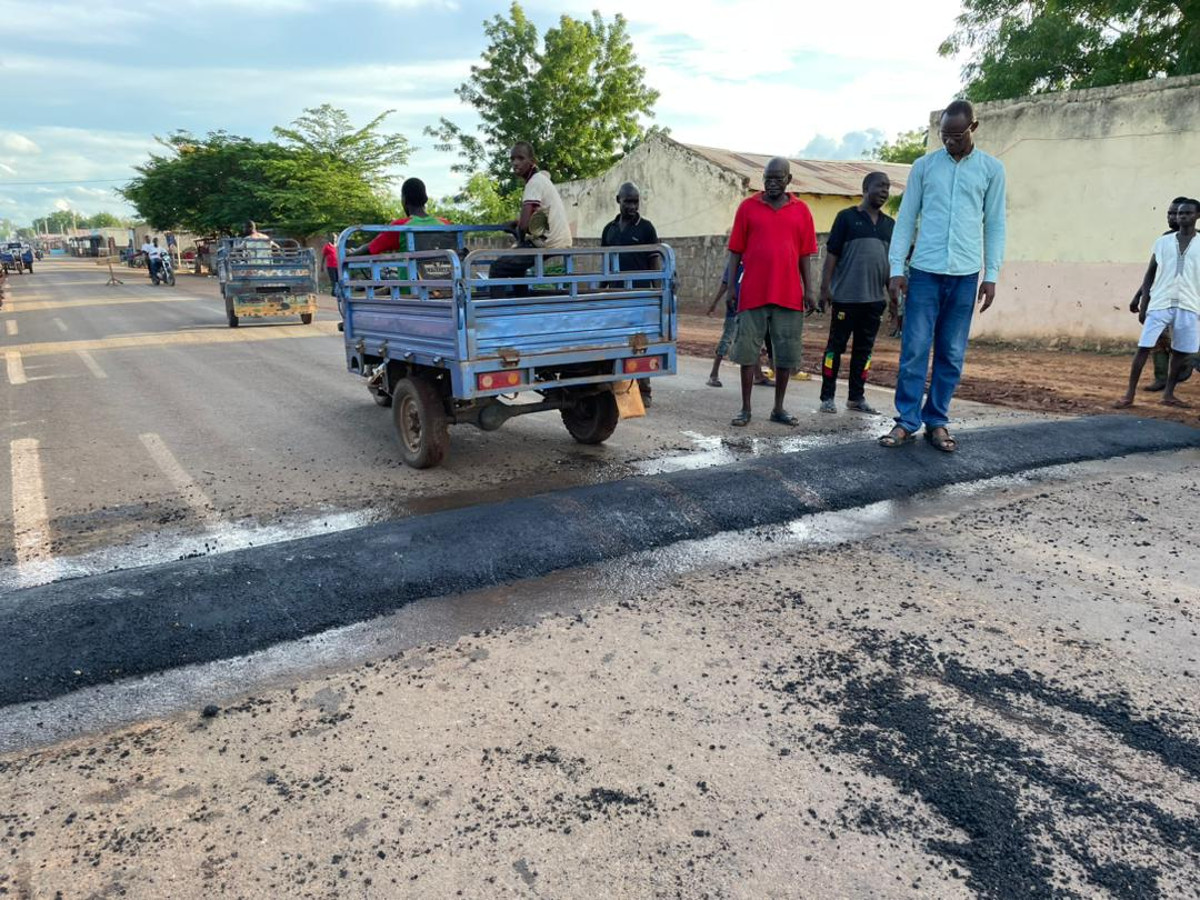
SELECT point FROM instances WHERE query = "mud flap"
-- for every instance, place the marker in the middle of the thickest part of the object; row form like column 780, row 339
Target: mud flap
column 629, row 399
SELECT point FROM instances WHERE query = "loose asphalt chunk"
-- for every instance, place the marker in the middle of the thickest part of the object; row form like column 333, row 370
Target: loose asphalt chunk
column 68, row 635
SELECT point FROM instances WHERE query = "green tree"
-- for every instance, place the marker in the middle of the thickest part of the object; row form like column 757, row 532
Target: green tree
column 58, row 222
column 326, row 132
column 907, row 148
column 479, row 203
column 101, row 220
column 320, row 175
column 1022, row 47
column 577, row 94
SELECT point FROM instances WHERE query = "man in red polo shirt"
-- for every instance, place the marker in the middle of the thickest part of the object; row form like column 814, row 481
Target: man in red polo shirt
column 774, row 239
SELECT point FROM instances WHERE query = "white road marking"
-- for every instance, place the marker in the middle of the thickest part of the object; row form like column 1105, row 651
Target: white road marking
column 191, row 492
column 61, row 325
column 16, row 368
column 10, row 327
column 90, row 362
column 31, row 522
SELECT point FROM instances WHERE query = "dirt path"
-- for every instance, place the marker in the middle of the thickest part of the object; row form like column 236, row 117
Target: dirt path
column 1051, row 381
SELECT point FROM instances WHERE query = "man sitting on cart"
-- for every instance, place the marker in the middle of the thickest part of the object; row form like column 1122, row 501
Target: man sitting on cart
column 542, row 222
column 413, row 197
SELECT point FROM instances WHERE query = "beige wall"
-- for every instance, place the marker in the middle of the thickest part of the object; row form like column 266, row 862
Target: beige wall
column 682, row 194
column 1090, row 174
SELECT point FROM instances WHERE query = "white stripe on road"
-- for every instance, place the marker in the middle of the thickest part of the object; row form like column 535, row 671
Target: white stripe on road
column 31, row 523
column 16, row 368
column 191, row 492
column 90, row 362
column 10, row 327
column 62, row 326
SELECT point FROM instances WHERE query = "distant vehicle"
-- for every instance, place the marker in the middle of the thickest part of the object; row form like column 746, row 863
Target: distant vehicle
column 261, row 278
column 441, row 343
column 16, row 256
column 166, row 270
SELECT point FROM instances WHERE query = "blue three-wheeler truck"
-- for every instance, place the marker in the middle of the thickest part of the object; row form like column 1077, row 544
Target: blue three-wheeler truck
column 441, row 343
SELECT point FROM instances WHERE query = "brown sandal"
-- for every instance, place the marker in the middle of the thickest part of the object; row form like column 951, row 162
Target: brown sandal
column 897, row 437
column 944, row 442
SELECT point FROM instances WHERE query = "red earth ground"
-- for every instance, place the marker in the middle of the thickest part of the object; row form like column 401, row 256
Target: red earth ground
column 1075, row 382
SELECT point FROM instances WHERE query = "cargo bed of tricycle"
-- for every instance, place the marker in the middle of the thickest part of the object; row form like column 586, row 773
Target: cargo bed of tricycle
column 261, row 278
column 442, row 342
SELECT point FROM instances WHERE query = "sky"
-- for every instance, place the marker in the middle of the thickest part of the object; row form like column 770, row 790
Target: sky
column 90, row 83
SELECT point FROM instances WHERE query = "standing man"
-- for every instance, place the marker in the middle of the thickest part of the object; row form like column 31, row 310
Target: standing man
column 855, row 282
column 773, row 235
column 541, row 223
column 1162, row 350
column 330, row 255
column 629, row 229
column 958, row 194
column 1170, row 298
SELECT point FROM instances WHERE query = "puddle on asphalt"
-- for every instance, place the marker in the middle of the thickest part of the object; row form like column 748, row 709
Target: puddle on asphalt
column 445, row 619
column 718, row 450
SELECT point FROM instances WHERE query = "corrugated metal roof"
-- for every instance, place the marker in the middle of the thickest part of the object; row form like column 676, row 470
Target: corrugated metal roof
column 809, row 176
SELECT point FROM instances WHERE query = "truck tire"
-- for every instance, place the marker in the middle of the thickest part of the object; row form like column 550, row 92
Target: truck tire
column 593, row 418
column 419, row 416
column 305, row 318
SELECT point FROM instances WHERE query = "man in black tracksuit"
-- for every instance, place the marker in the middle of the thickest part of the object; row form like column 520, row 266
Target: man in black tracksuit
column 854, row 280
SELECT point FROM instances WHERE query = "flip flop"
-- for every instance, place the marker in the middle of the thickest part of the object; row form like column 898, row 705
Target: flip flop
column 783, row 417
column 1122, row 404
column 1176, row 402
column 714, row 382
column 946, row 442
column 891, row 439
column 740, row 420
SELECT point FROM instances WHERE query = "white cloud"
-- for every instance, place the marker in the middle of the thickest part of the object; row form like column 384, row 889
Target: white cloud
column 8, row 169
column 852, row 145
column 62, row 204
column 11, row 142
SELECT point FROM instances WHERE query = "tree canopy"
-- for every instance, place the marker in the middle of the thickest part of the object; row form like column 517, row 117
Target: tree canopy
column 908, row 147
column 576, row 93
column 1022, row 47
column 320, row 174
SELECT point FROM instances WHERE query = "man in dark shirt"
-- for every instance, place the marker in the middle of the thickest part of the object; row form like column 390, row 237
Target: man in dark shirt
column 855, row 280
column 629, row 229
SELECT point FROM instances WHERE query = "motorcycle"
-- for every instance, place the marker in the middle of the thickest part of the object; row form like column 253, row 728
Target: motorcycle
column 166, row 270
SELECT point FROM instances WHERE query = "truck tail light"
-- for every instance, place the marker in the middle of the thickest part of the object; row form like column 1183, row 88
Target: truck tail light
column 491, row 381
column 643, row 364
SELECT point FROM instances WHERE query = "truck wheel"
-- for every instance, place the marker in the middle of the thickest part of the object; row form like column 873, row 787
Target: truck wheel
column 593, row 418
column 380, row 398
column 305, row 318
column 420, row 420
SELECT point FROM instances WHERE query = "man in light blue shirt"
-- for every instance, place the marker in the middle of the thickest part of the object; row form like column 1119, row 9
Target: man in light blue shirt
column 957, row 193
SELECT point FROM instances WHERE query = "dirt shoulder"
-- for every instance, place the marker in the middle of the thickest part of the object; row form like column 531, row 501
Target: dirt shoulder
column 1050, row 381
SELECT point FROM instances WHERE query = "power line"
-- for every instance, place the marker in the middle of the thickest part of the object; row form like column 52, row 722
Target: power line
column 72, row 181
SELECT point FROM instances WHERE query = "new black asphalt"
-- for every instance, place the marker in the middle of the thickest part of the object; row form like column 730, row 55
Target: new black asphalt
column 64, row 636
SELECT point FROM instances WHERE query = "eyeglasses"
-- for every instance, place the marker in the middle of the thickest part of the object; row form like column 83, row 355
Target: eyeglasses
column 954, row 135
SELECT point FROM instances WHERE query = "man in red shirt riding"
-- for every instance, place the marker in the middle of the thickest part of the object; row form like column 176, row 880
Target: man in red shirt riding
column 773, row 237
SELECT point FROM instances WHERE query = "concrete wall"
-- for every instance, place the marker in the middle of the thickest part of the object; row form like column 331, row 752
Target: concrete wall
column 1090, row 175
column 682, row 193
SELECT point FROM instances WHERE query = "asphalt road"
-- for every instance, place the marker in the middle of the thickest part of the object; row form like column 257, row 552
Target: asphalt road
column 139, row 428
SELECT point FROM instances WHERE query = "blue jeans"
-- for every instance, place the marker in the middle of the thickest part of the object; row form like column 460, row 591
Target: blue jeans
column 937, row 315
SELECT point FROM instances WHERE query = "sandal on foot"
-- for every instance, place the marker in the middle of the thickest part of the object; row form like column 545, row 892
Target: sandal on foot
column 741, row 419
column 714, row 382
column 1155, row 386
column 944, row 441
column 897, row 437
column 765, row 382
column 783, row 417
column 1122, row 404
column 862, row 406
column 1175, row 401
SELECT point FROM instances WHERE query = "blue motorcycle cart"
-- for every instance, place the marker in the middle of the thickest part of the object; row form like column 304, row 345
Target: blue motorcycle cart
column 441, row 343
